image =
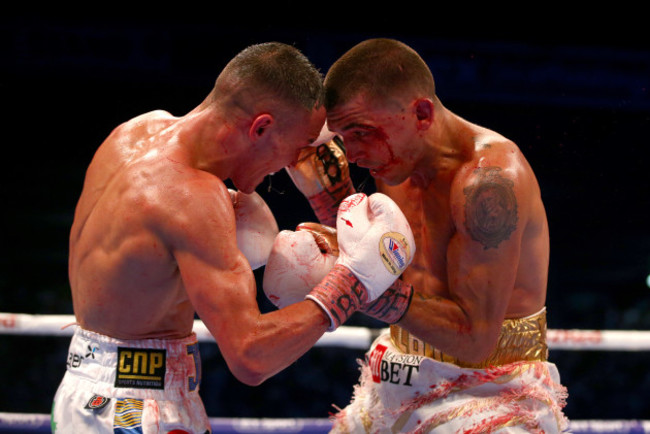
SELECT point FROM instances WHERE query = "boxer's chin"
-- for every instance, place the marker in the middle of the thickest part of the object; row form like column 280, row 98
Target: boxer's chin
column 247, row 186
column 391, row 174
column 385, row 174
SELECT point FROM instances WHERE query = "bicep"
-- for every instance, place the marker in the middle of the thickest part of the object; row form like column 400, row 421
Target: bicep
column 218, row 289
column 214, row 272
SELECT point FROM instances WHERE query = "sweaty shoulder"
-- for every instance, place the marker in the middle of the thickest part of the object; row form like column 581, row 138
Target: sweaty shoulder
column 130, row 135
column 495, row 157
column 148, row 123
column 131, row 138
column 197, row 209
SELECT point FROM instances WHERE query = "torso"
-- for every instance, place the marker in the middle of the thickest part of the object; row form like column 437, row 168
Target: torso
column 429, row 218
column 124, row 280
column 428, row 210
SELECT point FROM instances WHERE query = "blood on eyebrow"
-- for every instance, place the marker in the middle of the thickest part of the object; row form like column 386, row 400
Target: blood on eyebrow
column 357, row 125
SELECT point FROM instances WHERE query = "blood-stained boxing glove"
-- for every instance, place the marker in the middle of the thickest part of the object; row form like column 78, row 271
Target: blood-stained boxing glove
column 322, row 175
column 256, row 227
column 298, row 262
column 376, row 245
column 375, row 240
column 324, row 235
column 295, row 267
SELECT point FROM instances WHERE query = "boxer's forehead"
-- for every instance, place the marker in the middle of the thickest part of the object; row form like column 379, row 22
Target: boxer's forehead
column 314, row 125
column 358, row 112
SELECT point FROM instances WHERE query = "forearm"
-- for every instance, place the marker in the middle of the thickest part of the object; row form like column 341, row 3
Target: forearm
column 326, row 203
column 275, row 340
column 445, row 325
column 255, row 345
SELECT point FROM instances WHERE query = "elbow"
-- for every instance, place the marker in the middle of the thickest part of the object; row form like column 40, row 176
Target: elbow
column 250, row 367
column 250, row 378
column 249, row 373
column 479, row 347
column 477, row 353
column 473, row 342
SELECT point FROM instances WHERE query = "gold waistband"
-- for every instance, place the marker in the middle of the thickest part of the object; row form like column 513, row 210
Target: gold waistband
column 521, row 339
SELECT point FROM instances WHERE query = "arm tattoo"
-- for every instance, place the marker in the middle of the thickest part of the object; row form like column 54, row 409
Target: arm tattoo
column 490, row 208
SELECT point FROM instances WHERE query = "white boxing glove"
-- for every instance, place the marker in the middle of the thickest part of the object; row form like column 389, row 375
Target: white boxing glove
column 376, row 245
column 298, row 262
column 375, row 240
column 256, row 227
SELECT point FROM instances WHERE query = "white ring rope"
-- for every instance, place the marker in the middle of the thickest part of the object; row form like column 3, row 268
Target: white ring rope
column 346, row 336
column 40, row 423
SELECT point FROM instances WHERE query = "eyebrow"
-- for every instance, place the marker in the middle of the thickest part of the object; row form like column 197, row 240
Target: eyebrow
column 357, row 125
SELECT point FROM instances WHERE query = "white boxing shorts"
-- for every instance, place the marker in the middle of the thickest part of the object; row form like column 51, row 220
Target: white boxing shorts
column 133, row 386
column 406, row 393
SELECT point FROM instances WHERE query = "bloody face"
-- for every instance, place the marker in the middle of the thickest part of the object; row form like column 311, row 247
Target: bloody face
column 377, row 136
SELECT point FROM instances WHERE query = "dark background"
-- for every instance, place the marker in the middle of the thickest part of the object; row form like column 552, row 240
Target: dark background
column 571, row 91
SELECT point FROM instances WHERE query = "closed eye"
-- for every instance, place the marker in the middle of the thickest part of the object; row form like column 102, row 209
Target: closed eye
column 358, row 132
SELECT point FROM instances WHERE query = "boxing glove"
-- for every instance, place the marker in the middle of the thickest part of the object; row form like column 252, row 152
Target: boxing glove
column 376, row 245
column 256, row 227
column 298, row 262
column 322, row 175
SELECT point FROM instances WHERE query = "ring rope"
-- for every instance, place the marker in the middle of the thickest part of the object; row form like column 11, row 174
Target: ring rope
column 40, row 423
column 345, row 336
column 348, row 336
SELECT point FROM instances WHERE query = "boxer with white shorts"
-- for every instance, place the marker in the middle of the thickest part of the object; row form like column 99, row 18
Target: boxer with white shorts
column 406, row 384
column 475, row 207
column 158, row 238
column 130, row 386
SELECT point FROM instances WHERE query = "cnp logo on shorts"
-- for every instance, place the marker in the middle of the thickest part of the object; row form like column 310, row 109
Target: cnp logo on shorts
column 140, row 368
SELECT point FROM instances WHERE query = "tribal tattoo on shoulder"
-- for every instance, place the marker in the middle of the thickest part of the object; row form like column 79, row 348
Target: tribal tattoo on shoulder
column 490, row 207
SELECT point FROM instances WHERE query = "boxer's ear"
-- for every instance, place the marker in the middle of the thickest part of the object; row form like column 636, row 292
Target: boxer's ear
column 260, row 126
column 424, row 112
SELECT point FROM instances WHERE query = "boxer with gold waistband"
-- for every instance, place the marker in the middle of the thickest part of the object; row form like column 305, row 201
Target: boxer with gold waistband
column 479, row 275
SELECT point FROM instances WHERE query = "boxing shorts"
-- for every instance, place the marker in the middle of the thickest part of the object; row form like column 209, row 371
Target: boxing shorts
column 130, row 386
column 407, row 386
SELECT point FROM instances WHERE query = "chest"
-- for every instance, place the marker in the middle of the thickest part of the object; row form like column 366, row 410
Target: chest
column 428, row 214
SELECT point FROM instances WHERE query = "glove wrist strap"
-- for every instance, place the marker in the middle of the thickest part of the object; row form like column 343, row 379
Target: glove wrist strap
column 392, row 305
column 339, row 294
column 326, row 203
